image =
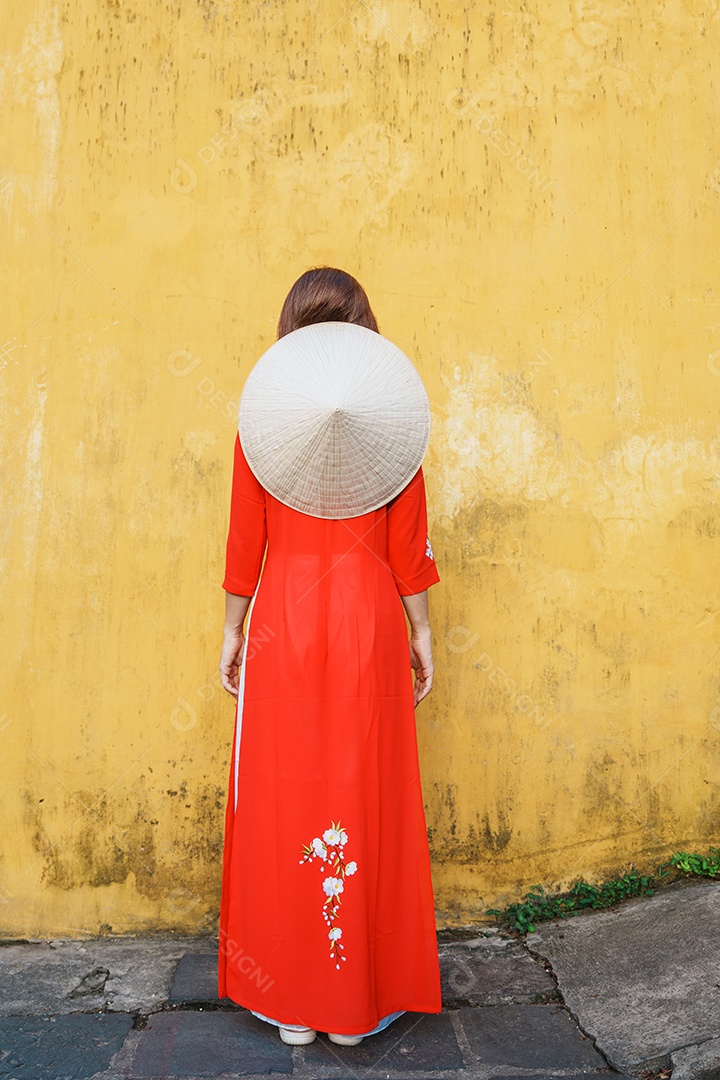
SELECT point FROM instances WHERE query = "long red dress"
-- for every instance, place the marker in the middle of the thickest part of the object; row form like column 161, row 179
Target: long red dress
column 327, row 914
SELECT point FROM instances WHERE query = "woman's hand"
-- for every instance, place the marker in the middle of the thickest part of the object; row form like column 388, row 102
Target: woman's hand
column 231, row 659
column 421, row 662
column 236, row 608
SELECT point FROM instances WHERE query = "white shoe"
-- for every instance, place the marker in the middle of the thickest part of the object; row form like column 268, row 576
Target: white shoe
column 345, row 1040
column 297, row 1036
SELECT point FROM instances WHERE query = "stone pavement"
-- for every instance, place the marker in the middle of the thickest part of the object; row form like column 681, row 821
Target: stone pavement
column 633, row 991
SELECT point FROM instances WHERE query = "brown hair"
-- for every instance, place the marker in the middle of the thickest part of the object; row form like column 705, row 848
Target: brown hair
column 325, row 294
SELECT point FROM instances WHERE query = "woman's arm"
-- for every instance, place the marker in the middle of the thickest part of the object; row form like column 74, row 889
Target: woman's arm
column 416, row 609
column 247, row 538
column 236, row 608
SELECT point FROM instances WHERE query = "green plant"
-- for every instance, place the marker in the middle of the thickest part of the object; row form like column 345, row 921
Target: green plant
column 702, row 865
column 539, row 906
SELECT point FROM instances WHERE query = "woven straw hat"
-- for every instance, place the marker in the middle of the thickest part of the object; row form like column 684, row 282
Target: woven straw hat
column 334, row 420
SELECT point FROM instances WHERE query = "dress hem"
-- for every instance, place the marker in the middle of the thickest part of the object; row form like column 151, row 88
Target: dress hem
column 380, row 1026
column 335, row 1029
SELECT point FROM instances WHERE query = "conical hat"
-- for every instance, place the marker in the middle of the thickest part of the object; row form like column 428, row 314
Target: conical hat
column 334, row 420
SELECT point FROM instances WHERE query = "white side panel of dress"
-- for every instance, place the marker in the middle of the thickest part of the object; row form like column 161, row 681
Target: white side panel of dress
column 241, row 697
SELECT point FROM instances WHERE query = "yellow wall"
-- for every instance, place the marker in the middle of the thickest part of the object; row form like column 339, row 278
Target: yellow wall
column 531, row 197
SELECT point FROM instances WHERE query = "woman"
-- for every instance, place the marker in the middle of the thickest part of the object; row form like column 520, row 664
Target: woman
column 325, row 765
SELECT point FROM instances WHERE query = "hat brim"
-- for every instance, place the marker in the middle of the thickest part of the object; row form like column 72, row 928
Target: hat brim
column 334, row 420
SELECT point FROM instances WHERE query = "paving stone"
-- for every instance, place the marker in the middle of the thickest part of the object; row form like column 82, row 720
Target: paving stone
column 62, row 1047
column 196, row 980
column 476, row 972
column 643, row 978
column 415, row 1041
column 200, row 1044
column 493, row 971
column 697, row 1062
column 528, row 1036
column 122, row 975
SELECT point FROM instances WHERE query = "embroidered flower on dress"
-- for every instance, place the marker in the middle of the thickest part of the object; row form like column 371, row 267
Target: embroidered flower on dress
column 319, row 848
column 332, row 886
column 330, row 851
column 429, row 550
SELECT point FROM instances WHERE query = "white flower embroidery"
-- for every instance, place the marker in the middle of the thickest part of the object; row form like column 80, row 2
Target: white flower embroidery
column 429, row 550
column 332, row 886
column 329, row 851
column 319, row 848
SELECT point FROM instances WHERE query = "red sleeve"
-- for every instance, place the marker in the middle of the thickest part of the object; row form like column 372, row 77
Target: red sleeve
column 409, row 552
column 247, row 535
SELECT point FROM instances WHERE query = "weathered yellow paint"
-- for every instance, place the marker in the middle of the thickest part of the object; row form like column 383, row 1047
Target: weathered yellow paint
column 531, row 197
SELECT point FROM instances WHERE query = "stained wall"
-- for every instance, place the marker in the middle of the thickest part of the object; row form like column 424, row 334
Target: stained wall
column 531, row 195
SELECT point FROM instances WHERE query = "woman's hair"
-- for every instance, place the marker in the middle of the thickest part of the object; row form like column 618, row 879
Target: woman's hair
column 325, row 294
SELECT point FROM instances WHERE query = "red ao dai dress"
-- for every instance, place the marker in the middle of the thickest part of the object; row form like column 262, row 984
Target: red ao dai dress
column 327, row 913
